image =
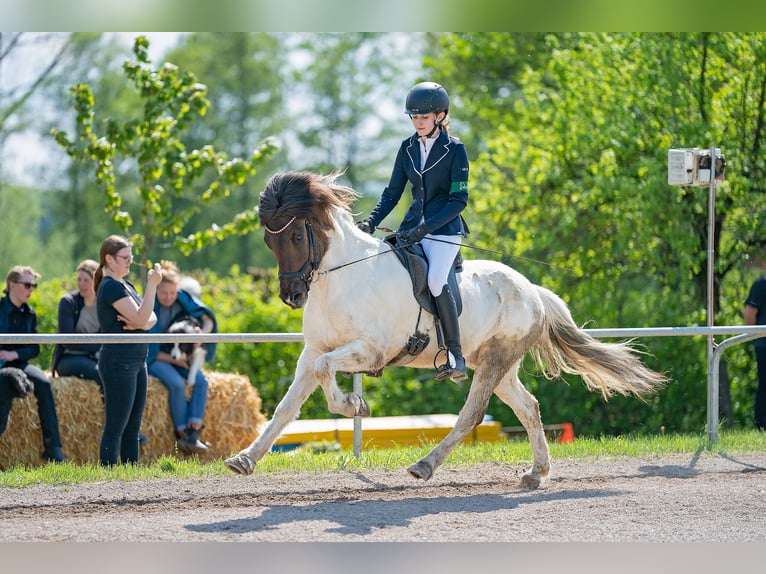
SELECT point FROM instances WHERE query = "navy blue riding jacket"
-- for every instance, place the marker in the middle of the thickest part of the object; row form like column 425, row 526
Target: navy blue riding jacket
column 21, row 319
column 439, row 192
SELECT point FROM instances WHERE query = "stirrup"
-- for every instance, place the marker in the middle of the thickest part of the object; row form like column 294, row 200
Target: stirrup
column 448, row 371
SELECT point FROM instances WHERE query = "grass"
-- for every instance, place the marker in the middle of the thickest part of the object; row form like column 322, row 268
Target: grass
column 320, row 458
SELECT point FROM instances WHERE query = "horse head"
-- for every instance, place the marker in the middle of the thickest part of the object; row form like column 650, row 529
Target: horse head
column 295, row 209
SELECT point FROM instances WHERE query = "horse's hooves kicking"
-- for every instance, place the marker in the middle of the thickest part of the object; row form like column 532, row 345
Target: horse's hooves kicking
column 421, row 470
column 240, row 464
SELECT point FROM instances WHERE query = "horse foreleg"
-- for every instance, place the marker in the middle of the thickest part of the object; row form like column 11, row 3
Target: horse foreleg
column 354, row 357
column 286, row 411
column 527, row 410
column 469, row 417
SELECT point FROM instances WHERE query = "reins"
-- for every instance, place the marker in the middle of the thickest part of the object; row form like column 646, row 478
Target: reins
column 502, row 254
column 308, row 271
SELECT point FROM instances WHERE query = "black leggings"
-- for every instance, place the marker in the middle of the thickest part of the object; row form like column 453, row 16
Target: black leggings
column 760, row 392
column 123, row 374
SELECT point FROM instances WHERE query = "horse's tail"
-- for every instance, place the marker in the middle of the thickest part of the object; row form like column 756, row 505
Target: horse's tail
column 606, row 367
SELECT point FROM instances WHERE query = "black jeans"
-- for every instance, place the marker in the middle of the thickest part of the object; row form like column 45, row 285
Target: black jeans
column 760, row 392
column 80, row 366
column 46, row 409
column 6, row 401
column 123, row 373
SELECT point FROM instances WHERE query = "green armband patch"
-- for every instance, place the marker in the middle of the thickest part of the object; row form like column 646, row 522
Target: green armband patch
column 459, row 187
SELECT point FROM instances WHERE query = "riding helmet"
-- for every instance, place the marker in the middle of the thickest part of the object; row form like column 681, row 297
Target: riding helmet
column 426, row 97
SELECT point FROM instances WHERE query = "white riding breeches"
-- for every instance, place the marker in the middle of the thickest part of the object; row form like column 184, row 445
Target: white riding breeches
column 440, row 251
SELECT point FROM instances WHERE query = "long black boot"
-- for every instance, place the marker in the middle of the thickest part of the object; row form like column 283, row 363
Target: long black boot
column 446, row 307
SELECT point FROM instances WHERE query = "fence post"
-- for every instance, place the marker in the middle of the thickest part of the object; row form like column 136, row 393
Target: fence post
column 357, row 419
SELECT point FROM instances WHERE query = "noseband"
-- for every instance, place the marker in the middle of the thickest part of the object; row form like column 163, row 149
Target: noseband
column 305, row 273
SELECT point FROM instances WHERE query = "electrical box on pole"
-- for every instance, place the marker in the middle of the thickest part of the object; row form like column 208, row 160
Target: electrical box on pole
column 696, row 167
column 692, row 166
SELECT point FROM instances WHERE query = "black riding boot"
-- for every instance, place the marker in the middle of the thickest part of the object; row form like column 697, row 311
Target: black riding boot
column 446, row 307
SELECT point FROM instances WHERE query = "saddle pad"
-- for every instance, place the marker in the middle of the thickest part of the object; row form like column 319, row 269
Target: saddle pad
column 414, row 260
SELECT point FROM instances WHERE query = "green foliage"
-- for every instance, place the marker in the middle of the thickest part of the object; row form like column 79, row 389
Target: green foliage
column 570, row 170
column 568, row 135
column 172, row 102
column 22, row 221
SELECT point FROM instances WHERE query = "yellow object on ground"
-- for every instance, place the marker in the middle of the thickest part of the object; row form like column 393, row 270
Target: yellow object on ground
column 384, row 432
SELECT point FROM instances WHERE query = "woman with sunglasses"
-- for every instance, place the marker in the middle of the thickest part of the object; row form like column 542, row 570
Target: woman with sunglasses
column 122, row 365
column 17, row 316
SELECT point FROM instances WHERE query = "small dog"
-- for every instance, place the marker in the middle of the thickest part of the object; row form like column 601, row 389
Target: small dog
column 192, row 353
column 17, row 381
column 15, row 385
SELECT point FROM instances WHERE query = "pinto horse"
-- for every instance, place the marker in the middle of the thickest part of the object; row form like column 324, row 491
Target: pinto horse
column 360, row 312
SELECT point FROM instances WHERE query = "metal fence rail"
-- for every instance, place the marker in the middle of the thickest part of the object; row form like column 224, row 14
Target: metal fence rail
column 743, row 333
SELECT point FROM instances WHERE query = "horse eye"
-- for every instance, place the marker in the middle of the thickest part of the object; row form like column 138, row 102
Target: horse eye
column 299, row 237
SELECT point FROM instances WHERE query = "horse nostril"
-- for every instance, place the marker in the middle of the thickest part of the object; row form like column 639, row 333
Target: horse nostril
column 297, row 299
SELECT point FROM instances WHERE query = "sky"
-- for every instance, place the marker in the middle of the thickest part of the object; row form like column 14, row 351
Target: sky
column 26, row 154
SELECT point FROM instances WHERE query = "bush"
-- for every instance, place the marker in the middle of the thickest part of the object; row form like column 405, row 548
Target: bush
column 248, row 302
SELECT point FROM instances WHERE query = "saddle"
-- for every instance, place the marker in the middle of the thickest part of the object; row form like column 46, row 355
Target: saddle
column 413, row 258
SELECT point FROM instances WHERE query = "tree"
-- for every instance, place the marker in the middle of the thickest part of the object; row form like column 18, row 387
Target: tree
column 172, row 101
column 245, row 75
column 343, row 92
column 574, row 174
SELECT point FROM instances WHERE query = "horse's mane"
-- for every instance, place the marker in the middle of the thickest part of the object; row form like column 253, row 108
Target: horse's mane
column 303, row 194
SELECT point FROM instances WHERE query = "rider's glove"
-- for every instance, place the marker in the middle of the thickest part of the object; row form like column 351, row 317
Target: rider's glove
column 415, row 234
column 365, row 226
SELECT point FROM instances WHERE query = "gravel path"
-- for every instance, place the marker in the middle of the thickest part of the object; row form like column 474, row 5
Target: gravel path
column 707, row 498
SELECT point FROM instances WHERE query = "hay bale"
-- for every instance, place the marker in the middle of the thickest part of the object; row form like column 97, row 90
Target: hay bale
column 232, row 420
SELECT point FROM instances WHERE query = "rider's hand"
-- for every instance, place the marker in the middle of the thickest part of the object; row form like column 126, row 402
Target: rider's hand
column 415, row 234
column 365, row 226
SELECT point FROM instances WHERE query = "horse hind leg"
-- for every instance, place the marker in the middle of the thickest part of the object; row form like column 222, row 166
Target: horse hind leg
column 470, row 416
column 527, row 410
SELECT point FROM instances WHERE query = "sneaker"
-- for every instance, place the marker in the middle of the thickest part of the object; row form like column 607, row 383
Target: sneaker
column 190, row 443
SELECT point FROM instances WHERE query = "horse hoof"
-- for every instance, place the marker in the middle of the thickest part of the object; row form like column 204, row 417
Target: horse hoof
column 533, row 481
column 421, row 470
column 361, row 408
column 240, row 464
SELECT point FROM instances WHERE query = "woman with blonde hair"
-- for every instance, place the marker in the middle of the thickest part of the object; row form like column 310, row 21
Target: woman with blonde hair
column 17, row 316
column 173, row 304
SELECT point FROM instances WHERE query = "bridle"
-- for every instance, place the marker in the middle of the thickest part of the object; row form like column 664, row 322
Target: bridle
column 306, row 272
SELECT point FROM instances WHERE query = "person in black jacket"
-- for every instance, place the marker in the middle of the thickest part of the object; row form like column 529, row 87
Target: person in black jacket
column 16, row 316
column 436, row 166
column 755, row 314
column 77, row 314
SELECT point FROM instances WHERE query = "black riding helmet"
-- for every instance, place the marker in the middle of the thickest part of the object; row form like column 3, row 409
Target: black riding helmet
column 426, row 97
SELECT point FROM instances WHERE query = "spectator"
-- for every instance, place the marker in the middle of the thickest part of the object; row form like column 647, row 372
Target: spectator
column 16, row 316
column 77, row 314
column 755, row 314
column 173, row 304
column 122, row 366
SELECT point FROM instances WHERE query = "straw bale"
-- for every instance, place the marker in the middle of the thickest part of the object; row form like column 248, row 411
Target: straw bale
column 232, row 420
